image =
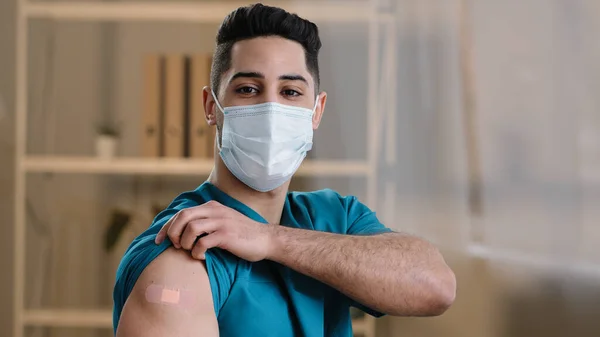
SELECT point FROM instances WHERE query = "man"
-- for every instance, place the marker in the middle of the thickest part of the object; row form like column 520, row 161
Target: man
column 242, row 256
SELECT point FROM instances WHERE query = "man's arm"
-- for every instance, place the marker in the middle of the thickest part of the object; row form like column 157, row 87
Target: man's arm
column 392, row 273
column 189, row 310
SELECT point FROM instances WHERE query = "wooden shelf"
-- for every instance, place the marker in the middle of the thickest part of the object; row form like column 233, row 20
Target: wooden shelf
column 103, row 319
column 369, row 14
column 69, row 318
column 171, row 166
column 199, row 12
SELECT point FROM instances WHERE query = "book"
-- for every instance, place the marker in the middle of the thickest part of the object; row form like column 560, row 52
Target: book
column 151, row 132
column 174, row 106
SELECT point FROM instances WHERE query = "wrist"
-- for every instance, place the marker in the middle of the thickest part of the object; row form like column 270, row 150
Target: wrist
column 274, row 234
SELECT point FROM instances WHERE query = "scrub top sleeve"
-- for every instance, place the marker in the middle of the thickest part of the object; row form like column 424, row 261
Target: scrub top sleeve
column 220, row 265
column 221, row 268
column 361, row 220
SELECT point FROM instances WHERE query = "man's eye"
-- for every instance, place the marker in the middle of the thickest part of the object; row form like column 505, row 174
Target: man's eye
column 290, row 92
column 246, row 90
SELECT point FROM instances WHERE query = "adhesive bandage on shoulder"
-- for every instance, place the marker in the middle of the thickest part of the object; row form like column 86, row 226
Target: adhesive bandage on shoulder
column 160, row 294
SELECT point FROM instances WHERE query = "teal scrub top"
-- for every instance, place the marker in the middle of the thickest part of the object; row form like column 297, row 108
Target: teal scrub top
column 262, row 298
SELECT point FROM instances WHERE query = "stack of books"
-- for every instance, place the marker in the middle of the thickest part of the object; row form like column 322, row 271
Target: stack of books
column 173, row 120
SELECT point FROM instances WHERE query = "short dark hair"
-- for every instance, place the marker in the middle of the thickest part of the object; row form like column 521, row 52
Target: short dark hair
column 259, row 20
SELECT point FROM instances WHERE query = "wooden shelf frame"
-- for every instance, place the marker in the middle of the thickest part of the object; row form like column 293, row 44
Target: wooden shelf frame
column 352, row 11
column 376, row 15
column 173, row 166
column 102, row 319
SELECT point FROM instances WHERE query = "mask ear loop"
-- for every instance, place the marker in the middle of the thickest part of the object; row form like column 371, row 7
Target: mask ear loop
column 217, row 135
column 316, row 102
column 217, row 101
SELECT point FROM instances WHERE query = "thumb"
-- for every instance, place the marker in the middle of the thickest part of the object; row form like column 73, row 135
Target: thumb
column 162, row 233
column 160, row 236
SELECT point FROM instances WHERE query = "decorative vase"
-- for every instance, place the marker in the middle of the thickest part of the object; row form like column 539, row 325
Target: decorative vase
column 106, row 146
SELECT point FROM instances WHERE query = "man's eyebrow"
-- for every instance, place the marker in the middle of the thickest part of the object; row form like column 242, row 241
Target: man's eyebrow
column 293, row 77
column 254, row 74
column 250, row 74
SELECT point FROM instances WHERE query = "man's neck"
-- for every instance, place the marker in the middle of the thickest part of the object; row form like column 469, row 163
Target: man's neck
column 268, row 204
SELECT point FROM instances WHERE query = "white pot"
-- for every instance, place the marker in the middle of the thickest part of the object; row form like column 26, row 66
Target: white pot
column 106, row 146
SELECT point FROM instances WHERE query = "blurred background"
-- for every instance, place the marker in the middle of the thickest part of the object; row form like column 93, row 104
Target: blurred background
column 474, row 124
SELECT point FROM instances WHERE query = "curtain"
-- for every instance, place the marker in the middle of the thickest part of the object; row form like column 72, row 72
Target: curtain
column 496, row 129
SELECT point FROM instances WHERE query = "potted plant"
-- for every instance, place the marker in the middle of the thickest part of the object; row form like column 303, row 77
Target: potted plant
column 106, row 141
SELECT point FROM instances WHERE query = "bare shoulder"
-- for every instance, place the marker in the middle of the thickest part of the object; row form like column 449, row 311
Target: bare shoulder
column 172, row 296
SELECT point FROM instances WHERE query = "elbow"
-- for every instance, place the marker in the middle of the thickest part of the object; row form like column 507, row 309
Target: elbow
column 438, row 288
column 433, row 297
column 441, row 292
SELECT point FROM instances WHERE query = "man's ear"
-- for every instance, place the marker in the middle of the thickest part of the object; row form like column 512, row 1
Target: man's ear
column 209, row 106
column 322, row 99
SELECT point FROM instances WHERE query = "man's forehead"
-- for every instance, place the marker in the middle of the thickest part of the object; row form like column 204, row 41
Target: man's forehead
column 271, row 56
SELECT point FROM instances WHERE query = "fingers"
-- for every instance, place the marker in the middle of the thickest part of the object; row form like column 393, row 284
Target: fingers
column 162, row 233
column 176, row 225
column 196, row 228
column 212, row 240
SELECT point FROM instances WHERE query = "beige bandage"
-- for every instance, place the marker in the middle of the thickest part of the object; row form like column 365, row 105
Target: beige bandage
column 160, row 294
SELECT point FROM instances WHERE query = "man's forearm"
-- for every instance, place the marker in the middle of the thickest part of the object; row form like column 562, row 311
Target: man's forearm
column 393, row 273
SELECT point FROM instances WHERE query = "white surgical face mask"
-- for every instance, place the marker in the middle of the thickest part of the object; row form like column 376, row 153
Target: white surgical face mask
column 264, row 144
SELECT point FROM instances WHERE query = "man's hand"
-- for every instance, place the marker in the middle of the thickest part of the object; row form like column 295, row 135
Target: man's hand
column 215, row 225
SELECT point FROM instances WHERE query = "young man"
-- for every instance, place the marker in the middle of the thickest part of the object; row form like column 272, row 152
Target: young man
column 242, row 256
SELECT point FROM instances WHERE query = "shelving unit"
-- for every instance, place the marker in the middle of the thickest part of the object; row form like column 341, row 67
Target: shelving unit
column 103, row 319
column 167, row 166
column 205, row 12
column 69, row 318
column 377, row 14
